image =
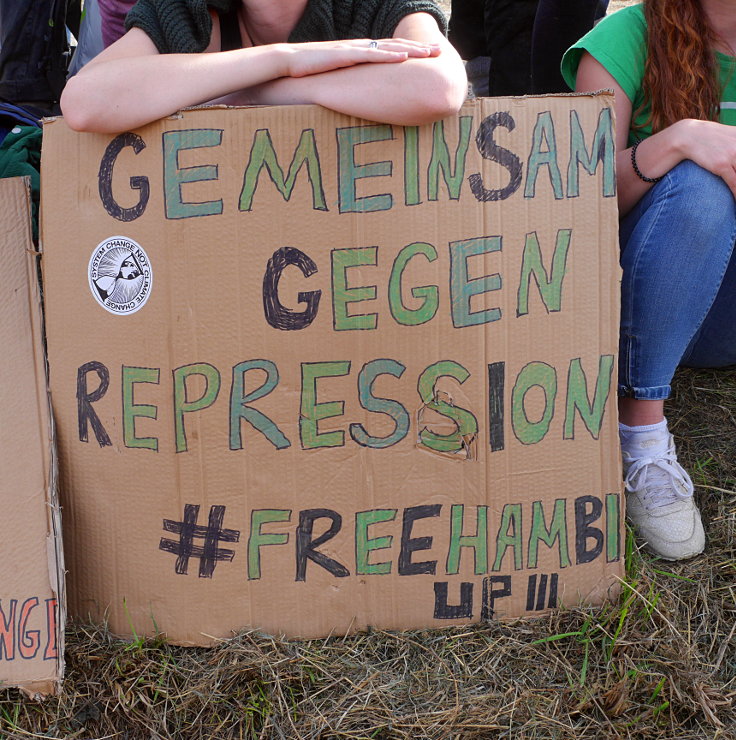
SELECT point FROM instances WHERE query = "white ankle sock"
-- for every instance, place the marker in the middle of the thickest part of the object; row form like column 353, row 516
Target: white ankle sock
column 644, row 441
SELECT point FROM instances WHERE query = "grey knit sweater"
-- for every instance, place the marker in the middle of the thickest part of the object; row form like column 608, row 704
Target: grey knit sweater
column 185, row 26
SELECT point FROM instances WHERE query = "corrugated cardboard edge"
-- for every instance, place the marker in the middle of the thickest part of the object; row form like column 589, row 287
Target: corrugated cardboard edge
column 54, row 546
column 222, row 106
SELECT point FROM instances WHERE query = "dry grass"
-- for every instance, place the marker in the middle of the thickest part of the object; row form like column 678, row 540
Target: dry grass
column 660, row 664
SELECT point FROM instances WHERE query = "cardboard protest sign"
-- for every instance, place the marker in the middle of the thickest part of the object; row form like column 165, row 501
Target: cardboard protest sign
column 32, row 577
column 313, row 373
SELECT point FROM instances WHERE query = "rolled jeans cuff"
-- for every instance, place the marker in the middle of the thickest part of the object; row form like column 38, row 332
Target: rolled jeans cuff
column 654, row 393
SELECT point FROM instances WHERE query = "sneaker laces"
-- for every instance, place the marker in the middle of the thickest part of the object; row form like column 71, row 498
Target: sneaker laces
column 660, row 480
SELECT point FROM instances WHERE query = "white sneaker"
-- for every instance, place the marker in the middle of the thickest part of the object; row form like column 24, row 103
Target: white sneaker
column 660, row 505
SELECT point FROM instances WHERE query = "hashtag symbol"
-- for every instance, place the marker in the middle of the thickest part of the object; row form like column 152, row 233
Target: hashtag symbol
column 188, row 530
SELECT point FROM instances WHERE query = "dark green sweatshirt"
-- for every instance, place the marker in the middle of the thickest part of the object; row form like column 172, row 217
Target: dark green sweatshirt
column 185, row 26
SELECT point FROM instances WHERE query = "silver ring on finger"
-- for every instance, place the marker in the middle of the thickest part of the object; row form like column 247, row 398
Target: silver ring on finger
column 373, row 45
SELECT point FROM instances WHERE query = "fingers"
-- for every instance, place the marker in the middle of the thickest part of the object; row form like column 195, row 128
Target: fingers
column 374, row 55
column 728, row 174
column 304, row 62
column 412, row 48
column 710, row 144
column 312, row 58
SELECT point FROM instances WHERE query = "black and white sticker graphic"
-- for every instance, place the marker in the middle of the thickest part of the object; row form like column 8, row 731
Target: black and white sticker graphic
column 120, row 275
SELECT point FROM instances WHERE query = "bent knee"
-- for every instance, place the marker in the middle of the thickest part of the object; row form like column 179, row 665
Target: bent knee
column 698, row 185
column 703, row 201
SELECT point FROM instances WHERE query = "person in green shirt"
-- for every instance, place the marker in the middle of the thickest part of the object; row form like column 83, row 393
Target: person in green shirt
column 386, row 60
column 671, row 65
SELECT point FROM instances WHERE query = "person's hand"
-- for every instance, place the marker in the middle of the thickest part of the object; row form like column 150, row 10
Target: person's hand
column 711, row 145
column 312, row 58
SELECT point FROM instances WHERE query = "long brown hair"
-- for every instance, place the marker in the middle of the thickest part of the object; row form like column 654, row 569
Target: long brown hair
column 680, row 77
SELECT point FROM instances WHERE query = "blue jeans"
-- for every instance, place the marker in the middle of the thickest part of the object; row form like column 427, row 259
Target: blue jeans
column 678, row 294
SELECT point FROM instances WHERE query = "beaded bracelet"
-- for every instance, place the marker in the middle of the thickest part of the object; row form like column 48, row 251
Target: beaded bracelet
column 636, row 167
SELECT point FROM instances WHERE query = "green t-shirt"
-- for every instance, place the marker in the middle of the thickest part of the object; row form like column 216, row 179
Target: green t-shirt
column 619, row 43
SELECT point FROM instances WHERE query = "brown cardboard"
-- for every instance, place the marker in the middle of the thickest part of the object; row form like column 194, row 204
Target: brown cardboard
column 193, row 512
column 32, row 577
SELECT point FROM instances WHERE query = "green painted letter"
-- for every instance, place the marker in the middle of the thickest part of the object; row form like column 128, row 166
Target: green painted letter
column 440, row 161
column 478, row 541
column 175, row 176
column 557, row 531
column 131, row 409
column 349, row 172
column 550, row 288
column 387, row 406
column 509, row 535
column 312, row 412
column 240, row 410
column 601, row 151
column 577, row 396
column 182, row 404
column 342, row 295
column 533, row 374
column 364, row 544
column 262, row 155
column 428, row 294
column 613, row 527
column 462, row 288
column 412, row 196
column 258, row 539
column 466, row 423
column 544, row 131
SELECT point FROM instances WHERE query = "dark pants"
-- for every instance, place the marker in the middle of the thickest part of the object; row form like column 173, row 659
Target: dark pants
column 524, row 38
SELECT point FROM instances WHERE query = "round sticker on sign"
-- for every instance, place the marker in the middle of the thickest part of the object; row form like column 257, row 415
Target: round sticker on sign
column 120, row 275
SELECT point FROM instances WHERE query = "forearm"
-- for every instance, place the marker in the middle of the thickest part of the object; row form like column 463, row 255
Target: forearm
column 399, row 80
column 411, row 93
column 655, row 156
column 122, row 94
